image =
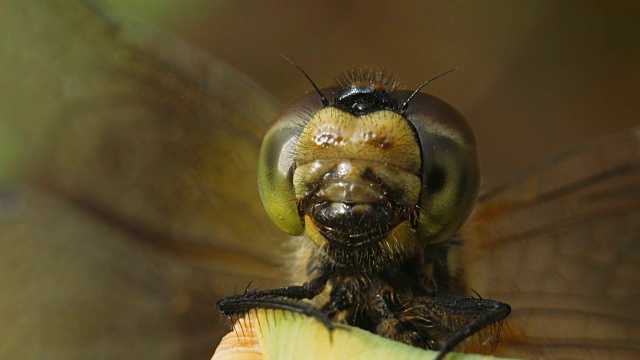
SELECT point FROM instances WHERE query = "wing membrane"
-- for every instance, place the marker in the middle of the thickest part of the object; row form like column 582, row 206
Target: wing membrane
column 133, row 205
column 561, row 245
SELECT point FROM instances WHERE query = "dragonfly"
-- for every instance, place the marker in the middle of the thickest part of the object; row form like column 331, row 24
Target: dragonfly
column 129, row 205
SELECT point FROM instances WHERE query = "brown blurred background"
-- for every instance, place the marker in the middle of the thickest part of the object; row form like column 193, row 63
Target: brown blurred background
column 535, row 78
column 109, row 230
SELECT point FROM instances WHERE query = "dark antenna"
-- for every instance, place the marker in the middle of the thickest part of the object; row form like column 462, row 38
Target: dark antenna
column 325, row 102
column 406, row 103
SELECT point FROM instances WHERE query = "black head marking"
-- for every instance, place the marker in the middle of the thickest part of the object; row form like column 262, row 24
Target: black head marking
column 363, row 91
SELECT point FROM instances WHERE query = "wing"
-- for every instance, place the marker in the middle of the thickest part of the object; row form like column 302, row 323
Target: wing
column 127, row 179
column 561, row 245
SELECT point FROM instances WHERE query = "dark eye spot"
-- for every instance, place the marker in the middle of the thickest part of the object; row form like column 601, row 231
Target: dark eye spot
column 436, row 179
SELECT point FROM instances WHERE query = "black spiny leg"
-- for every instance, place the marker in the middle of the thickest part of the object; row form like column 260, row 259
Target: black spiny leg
column 283, row 298
column 479, row 313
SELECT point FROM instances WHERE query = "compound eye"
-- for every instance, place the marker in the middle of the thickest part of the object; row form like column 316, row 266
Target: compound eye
column 277, row 163
column 450, row 170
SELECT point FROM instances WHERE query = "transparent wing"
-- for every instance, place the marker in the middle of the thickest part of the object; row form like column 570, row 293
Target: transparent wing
column 561, row 245
column 130, row 182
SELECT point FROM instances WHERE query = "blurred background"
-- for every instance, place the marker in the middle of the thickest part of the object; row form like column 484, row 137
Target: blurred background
column 128, row 197
column 534, row 77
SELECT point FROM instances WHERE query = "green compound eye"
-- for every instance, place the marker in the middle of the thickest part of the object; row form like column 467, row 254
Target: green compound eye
column 450, row 170
column 361, row 167
column 276, row 164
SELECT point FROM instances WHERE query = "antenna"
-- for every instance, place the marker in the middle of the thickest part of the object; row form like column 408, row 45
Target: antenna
column 404, row 106
column 325, row 102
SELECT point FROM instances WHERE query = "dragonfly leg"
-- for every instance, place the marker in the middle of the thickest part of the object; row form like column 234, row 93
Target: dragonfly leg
column 479, row 313
column 283, row 298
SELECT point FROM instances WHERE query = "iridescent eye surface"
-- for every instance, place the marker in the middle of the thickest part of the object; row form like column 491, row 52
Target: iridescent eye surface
column 361, row 169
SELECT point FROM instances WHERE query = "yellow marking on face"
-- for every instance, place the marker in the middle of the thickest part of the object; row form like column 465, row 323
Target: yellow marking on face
column 402, row 240
column 383, row 136
column 311, row 232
